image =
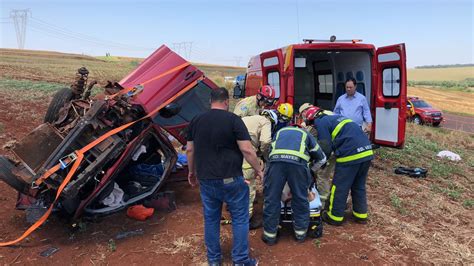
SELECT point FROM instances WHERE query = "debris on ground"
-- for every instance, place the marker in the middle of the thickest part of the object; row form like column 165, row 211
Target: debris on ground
column 140, row 212
column 416, row 172
column 48, row 252
column 9, row 145
column 127, row 234
column 163, row 201
column 450, row 155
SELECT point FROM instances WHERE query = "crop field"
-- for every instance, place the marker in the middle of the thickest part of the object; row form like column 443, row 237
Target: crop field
column 411, row 221
column 441, row 74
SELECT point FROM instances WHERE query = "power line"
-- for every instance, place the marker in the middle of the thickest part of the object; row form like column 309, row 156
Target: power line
column 43, row 25
column 183, row 48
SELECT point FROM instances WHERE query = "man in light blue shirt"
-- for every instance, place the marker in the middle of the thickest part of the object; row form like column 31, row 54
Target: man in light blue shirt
column 354, row 106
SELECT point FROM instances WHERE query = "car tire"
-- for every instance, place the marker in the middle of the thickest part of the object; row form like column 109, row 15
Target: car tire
column 436, row 124
column 8, row 177
column 417, row 120
column 61, row 97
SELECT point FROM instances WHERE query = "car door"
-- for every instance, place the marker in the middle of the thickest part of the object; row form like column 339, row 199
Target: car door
column 167, row 77
column 390, row 96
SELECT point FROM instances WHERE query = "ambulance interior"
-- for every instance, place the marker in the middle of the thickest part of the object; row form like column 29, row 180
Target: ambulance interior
column 320, row 76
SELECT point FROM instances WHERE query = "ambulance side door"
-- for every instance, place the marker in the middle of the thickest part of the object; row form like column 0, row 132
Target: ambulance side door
column 272, row 63
column 390, row 96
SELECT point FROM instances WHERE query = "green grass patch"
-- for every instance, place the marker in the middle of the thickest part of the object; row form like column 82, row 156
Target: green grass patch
column 398, row 204
column 466, row 85
column 468, row 203
column 2, row 127
column 8, row 85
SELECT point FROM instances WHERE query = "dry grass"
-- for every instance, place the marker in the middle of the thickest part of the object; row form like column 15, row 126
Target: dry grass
column 191, row 246
column 429, row 216
column 446, row 100
column 441, row 74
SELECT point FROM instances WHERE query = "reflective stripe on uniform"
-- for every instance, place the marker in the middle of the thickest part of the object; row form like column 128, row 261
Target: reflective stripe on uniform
column 355, row 156
column 301, row 153
column 300, row 232
column 360, row 215
column 316, row 148
column 270, row 235
column 331, row 201
column 338, row 128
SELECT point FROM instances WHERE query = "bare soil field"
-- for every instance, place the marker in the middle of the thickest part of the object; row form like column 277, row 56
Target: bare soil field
column 412, row 221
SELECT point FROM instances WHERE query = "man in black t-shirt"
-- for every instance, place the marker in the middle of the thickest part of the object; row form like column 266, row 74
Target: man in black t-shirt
column 218, row 141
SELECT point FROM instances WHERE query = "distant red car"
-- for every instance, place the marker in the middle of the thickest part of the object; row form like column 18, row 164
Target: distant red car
column 420, row 112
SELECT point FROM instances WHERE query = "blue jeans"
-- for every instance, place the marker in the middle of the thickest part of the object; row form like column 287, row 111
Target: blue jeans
column 299, row 180
column 235, row 193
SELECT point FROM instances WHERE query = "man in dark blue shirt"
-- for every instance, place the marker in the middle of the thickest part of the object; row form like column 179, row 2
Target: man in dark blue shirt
column 217, row 143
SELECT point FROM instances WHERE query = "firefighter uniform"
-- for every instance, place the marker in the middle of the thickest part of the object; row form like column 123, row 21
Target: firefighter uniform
column 291, row 152
column 353, row 153
column 247, row 107
column 324, row 175
column 260, row 130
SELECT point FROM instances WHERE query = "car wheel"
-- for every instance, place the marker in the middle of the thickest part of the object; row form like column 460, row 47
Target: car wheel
column 417, row 120
column 61, row 97
column 8, row 177
column 436, row 124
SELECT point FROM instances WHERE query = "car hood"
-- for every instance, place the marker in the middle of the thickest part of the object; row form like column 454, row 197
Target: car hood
column 163, row 75
column 429, row 109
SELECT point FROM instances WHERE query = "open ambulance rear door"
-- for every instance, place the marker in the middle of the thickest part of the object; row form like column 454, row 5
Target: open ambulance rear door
column 390, row 96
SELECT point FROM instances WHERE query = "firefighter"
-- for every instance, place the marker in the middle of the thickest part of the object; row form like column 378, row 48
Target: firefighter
column 353, row 153
column 260, row 128
column 324, row 174
column 252, row 105
column 292, row 150
column 285, row 115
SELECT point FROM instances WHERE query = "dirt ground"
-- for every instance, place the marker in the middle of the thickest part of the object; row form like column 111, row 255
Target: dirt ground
column 169, row 238
column 176, row 238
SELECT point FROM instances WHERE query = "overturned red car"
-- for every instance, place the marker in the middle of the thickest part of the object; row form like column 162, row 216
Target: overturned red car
column 96, row 156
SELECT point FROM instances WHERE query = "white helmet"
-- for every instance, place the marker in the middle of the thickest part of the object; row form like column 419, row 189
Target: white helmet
column 270, row 114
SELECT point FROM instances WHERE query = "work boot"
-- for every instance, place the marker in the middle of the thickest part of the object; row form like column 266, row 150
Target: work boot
column 269, row 241
column 250, row 262
column 330, row 221
column 255, row 223
column 300, row 238
column 359, row 220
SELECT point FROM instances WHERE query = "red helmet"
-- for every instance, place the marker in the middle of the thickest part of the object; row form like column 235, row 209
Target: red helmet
column 267, row 91
column 311, row 113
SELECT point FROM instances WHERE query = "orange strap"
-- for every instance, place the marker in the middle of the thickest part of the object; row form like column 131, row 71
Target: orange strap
column 80, row 157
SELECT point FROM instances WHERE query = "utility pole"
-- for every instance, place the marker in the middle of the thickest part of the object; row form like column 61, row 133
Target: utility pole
column 183, row 48
column 20, row 17
column 237, row 60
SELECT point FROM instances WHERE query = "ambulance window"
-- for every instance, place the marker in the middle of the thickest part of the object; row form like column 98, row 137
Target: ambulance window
column 391, row 82
column 274, row 81
column 325, row 83
column 271, row 61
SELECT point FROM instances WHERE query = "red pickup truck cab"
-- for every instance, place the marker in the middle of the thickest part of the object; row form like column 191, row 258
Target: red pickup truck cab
column 315, row 71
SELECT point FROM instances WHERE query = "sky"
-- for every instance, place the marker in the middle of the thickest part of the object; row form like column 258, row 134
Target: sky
column 230, row 32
